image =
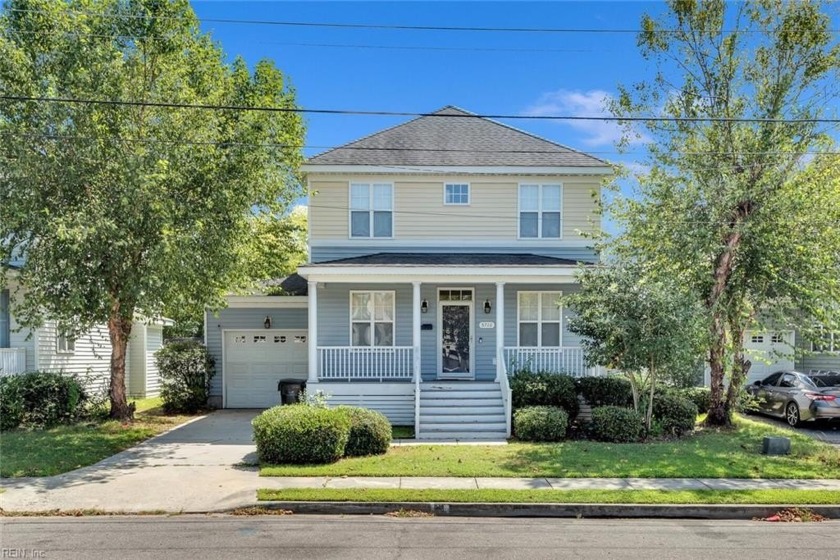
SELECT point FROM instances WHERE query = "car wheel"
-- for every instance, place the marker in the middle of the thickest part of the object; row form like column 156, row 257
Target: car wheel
column 792, row 414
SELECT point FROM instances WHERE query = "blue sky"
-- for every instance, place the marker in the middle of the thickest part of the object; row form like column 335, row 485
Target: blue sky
column 421, row 71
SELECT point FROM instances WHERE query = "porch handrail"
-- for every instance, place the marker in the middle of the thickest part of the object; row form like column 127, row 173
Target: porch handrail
column 507, row 394
column 366, row 363
column 566, row 359
column 12, row 361
column 418, row 381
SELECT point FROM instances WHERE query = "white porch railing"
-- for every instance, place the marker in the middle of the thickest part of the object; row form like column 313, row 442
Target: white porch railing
column 365, row 363
column 12, row 361
column 507, row 394
column 567, row 360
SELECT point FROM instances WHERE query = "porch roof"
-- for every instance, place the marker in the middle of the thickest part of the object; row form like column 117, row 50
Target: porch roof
column 432, row 267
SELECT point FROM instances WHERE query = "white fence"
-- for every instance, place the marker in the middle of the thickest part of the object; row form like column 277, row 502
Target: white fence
column 12, row 361
column 365, row 363
column 556, row 360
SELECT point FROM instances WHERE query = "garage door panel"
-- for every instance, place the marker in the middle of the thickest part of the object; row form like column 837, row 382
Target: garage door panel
column 256, row 360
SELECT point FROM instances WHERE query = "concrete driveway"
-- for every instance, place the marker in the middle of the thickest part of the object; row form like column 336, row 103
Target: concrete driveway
column 206, row 464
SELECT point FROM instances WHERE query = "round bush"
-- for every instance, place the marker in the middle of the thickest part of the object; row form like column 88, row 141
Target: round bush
column 605, row 391
column 370, row 432
column 700, row 396
column 540, row 423
column 301, row 434
column 616, row 424
column 40, row 399
column 544, row 389
column 676, row 415
column 185, row 370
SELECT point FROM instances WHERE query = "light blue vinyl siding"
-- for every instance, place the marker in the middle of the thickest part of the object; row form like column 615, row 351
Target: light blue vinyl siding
column 582, row 254
column 806, row 361
column 245, row 318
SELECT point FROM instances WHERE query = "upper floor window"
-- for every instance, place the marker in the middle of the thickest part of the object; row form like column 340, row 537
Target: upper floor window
column 456, row 193
column 372, row 318
column 64, row 344
column 540, row 207
column 829, row 342
column 371, row 210
column 539, row 318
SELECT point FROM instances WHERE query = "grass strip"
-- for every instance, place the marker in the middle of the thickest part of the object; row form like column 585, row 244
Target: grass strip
column 786, row 497
column 709, row 453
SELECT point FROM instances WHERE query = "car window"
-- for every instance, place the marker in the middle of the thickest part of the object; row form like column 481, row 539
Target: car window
column 788, row 380
column 805, row 382
column 772, row 379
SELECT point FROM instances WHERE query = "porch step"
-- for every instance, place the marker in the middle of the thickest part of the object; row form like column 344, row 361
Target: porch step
column 461, row 410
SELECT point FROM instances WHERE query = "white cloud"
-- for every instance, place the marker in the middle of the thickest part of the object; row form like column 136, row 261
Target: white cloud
column 573, row 103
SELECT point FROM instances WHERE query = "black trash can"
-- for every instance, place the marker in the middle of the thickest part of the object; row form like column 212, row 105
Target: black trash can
column 291, row 390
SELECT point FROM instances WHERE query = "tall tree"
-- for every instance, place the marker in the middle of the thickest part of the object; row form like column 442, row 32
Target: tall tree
column 141, row 204
column 726, row 207
column 279, row 244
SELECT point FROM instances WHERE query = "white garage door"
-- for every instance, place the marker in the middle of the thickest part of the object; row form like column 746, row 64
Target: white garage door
column 256, row 360
column 769, row 352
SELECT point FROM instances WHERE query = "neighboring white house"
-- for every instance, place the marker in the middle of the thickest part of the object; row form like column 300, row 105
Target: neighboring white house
column 87, row 357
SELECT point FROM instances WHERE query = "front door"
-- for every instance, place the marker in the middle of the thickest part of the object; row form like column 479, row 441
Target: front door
column 455, row 357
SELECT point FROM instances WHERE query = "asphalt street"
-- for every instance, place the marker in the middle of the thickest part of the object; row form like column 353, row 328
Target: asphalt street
column 366, row 537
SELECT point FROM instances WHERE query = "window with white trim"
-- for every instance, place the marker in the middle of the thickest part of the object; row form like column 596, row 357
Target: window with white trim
column 540, row 209
column 371, row 210
column 540, row 319
column 372, row 318
column 64, row 344
column 456, row 194
column 828, row 343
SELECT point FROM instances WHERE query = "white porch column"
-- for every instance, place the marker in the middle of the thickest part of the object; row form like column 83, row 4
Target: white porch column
column 500, row 330
column 313, row 332
column 415, row 328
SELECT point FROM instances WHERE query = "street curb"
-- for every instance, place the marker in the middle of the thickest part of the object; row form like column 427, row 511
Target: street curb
column 468, row 509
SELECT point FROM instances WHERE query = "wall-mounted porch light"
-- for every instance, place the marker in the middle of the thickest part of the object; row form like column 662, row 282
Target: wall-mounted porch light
column 487, row 307
column 424, row 307
column 267, row 322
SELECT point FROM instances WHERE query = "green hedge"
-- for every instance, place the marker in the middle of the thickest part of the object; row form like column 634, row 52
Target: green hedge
column 676, row 415
column 540, row 423
column 185, row 370
column 301, row 434
column 370, row 432
column 700, row 396
column 544, row 389
column 605, row 391
column 616, row 424
column 40, row 400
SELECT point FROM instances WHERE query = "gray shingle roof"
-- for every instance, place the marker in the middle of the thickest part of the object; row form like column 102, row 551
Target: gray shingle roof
column 449, row 259
column 454, row 137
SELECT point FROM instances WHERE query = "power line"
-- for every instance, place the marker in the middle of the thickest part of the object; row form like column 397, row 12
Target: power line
column 381, row 113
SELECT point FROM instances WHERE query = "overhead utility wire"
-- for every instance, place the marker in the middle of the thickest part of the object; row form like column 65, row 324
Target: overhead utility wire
column 116, row 102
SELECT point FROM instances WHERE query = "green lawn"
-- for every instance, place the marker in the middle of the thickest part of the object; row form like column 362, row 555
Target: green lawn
column 787, row 497
column 64, row 448
column 708, row 454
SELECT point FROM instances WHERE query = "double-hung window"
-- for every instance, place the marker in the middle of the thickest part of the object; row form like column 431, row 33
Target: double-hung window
column 456, row 194
column 64, row 344
column 540, row 209
column 372, row 318
column 540, row 319
column 828, row 343
column 371, row 210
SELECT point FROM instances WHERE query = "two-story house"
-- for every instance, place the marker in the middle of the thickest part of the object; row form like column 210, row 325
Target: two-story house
column 439, row 250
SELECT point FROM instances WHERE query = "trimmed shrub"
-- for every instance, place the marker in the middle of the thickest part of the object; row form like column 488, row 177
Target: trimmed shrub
column 40, row 399
column 675, row 415
column 605, row 391
column 700, row 396
column 540, row 423
column 301, row 434
column 370, row 432
column 616, row 424
column 544, row 389
column 185, row 370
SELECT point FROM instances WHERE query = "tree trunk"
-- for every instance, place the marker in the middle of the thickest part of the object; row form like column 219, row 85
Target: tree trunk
column 119, row 329
column 718, row 413
column 740, row 367
column 649, row 412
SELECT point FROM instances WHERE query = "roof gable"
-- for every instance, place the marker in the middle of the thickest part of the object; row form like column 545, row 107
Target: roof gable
column 454, row 137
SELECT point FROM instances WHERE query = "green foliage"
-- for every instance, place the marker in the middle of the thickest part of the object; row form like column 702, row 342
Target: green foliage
column 40, row 400
column 540, row 423
column 616, row 424
column 605, row 391
column 124, row 208
column 278, row 244
column 676, row 415
column 370, row 432
column 700, row 396
column 301, row 434
column 185, row 370
column 544, row 389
